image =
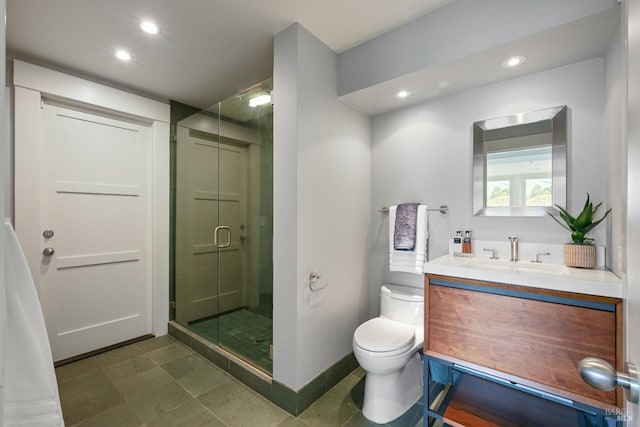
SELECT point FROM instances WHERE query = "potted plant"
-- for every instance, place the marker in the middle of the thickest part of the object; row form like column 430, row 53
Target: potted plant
column 582, row 252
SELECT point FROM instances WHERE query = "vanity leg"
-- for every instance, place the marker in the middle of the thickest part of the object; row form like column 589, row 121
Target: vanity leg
column 425, row 393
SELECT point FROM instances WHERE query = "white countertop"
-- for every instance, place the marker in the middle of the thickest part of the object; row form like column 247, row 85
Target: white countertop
column 525, row 273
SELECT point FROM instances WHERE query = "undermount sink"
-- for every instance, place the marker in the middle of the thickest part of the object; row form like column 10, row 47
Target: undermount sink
column 526, row 273
column 525, row 267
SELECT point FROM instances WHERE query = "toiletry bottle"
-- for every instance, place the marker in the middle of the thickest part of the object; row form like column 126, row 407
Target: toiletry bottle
column 466, row 242
column 457, row 243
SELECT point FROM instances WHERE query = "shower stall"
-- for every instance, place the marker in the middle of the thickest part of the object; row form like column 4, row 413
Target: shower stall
column 222, row 204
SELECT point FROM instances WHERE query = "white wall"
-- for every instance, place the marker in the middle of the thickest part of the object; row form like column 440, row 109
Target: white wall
column 424, row 153
column 321, row 210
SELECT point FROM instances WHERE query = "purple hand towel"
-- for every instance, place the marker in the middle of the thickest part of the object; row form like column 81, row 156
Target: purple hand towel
column 404, row 234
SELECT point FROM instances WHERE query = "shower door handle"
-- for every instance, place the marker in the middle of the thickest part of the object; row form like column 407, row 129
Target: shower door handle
column 216, row 237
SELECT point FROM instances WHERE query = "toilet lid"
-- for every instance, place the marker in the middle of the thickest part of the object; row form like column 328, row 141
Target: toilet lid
column 383, row 335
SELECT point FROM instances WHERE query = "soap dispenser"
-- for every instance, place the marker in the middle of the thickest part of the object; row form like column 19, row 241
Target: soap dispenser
column 467, row 247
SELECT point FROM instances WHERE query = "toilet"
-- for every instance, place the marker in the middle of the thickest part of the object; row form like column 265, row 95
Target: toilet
column 387, row 349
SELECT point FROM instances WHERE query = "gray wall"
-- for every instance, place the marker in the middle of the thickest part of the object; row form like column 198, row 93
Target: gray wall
column 423, row 153
column 321, row 210
column 616, row 153
column 451, row 32
column 5, row 155
column 632, row 139
column 4, row 161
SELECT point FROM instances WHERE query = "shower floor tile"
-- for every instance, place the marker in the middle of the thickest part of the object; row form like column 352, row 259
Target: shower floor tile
column 243, row 332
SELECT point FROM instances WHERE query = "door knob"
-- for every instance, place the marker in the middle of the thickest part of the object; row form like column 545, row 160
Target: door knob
column 48, row 251
column 600, row 374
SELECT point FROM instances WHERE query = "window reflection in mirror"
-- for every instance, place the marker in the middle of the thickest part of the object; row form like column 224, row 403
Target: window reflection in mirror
column 520, row 163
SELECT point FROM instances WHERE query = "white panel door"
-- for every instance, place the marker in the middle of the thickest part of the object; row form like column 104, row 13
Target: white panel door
column 211, row 191
column 95, row 284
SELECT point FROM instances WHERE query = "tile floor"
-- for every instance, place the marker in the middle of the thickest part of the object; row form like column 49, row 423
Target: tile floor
column 242, row 331
column 161, row 382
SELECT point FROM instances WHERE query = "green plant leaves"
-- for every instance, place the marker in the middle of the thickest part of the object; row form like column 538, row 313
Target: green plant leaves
column 586, row 216
column 577, row 237
column 583, row 223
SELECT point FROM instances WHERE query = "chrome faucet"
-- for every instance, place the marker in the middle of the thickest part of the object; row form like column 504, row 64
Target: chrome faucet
column 514, row 248
column 538, row 255
column 494, row 253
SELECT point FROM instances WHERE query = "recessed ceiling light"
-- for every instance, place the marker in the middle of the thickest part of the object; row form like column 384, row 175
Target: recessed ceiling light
column 514, row 61
column 149, row 27
column 402, row 94
column 260, row 100
column 123, row 55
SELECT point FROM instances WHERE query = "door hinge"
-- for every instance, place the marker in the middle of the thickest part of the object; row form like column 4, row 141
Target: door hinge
column 174, row 138
column 172, row 304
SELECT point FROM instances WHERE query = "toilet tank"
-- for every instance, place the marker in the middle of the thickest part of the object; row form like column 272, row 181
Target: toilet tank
column 402, row 303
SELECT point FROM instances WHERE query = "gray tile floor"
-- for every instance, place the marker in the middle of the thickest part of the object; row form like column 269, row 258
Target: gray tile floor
column 243, row 332
column 160, row 382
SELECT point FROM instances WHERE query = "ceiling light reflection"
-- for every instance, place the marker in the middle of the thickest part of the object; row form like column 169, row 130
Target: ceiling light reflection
column 123, row 55
column 259, row 100
column 514, row 61
column 149, row 27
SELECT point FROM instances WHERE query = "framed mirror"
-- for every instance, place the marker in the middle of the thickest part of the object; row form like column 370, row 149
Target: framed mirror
column 520, row 163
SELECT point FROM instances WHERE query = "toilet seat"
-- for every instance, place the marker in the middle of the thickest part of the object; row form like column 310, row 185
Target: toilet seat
column 384, row 338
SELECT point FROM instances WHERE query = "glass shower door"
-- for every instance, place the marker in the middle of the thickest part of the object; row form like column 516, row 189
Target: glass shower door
column 223, row 226
column 246, row 207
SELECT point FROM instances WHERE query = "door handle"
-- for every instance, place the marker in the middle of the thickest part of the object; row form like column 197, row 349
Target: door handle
column 48, row 251
column 216, row 237
column 600, row 374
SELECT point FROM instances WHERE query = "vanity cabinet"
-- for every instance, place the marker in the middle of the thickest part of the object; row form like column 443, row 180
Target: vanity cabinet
column 487, row 343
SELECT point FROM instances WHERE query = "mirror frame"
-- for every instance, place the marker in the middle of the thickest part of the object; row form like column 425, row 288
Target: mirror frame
column 559, row 141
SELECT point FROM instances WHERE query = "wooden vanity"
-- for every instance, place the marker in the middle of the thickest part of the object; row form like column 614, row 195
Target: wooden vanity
column 499, row 354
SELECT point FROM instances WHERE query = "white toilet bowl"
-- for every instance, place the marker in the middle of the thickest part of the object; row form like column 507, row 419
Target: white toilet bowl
column 387, row 350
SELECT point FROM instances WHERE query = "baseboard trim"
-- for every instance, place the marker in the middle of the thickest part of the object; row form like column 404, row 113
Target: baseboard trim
column 294, row 402
column 101, row 350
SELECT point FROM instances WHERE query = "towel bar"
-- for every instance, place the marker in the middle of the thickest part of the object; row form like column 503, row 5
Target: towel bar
column 443, row 209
